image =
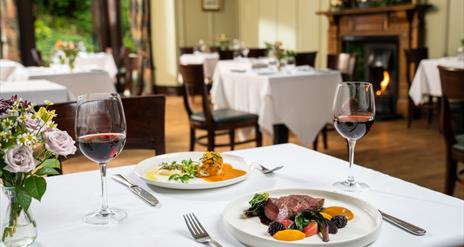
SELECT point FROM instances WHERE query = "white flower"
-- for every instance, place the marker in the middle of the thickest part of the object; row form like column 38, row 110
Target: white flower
column 26, row 139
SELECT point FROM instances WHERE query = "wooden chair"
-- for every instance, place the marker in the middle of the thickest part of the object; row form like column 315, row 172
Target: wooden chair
column 343, row 62
column 145, row 119
column 305, row 58
column 226, row 54
column 413, row 58
column 346, row 64
column 185, row 50
column 37, row 57
column 452, row 123
column 215, row 122
column 257, row 52
column 121, row 63
column 133, row 83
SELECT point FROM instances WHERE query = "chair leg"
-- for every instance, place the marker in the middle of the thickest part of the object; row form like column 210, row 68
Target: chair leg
column 451, row 176
column 315, row 142
column 211, row 144
column 410, row 112
column 324, row 137
column 258, row 136
column 430, row 111
column 192, row 139
column 232, row 139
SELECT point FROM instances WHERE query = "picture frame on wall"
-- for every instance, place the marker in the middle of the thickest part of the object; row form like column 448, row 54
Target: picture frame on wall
column 211, row 5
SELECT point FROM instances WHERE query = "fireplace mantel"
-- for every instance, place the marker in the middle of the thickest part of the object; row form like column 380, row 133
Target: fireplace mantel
column 403, row 21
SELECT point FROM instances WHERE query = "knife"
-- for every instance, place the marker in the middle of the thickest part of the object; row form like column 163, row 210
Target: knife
column 140, row 192
column 403, row 224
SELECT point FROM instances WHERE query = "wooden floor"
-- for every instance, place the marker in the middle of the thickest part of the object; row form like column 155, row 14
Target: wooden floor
column 415, row 155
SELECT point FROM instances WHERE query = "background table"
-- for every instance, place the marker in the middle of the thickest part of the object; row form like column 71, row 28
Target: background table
column 208, row 60
column 427, row 78
column 97, row 61
column 77, row 83
column 36, row 91
column 7, row 68
column 69, row 197
column 300, row 100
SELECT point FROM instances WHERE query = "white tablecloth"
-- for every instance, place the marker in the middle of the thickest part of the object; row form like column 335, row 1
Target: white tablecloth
column 97, row 61
column 208, row 60
column 77, row 83
column 7, row 68
column 427, row 78
column 35, row 91
column 69, row 197
column 301, row 100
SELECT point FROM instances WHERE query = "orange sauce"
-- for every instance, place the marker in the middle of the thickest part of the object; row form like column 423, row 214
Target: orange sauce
column 228, row 172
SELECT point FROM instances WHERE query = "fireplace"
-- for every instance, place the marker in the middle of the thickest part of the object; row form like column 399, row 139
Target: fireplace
column 377, row 63
column 379, row 35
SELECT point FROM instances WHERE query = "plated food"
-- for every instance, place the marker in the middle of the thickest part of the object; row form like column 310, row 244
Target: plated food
column 302, row 217
column 295, row 217
column 193, row 170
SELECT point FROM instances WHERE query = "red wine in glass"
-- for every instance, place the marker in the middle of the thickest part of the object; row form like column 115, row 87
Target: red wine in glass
column 353, row 126
column 102, row 147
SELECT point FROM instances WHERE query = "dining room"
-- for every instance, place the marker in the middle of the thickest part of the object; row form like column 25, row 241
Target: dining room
column 231, row 123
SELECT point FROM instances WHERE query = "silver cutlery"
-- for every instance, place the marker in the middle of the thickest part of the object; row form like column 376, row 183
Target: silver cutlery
column 403, row 224
column 140, row 192
column 197, row 231
column 266, row 170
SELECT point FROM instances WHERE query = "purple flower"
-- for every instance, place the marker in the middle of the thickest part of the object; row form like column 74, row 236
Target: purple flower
column 59, row 142
column 19, row 159
column 33, row 124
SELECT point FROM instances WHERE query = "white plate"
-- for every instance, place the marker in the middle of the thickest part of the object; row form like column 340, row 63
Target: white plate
column 195, row 183
column 362, row 230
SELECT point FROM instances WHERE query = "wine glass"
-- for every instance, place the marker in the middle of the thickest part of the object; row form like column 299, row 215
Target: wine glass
column 353, row 112
column 101, row 134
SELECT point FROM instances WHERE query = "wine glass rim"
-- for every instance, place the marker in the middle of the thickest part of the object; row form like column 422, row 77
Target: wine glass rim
column 356, row 83
column 96, row 96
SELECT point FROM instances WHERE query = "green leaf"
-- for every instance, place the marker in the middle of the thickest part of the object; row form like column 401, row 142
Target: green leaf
column 35, row 186
column 52, row 163
column 24, row 199
column 46, row 171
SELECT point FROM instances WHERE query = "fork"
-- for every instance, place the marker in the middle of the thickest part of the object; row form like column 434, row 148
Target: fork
column 266, row 170
column 198, row 232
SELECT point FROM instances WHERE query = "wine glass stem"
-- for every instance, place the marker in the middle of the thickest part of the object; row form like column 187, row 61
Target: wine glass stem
column 351, row 146
column 104, row 206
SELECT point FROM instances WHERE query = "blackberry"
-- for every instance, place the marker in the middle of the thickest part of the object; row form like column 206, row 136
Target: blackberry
column 275, row 227
column 331, row 227
column 339, row 220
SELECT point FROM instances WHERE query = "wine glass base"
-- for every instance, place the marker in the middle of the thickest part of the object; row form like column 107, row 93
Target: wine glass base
column 352, row 187
column 111, row 216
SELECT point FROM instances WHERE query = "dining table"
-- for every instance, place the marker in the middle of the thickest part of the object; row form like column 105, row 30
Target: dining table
column 427, row 78
column 77, row 82
column 208, row 60
column 35, row 91
column 298, row 99
column 68, row 197
column 97, row 61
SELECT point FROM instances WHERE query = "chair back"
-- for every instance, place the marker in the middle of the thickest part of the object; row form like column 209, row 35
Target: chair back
column 226, row 54
column 134, row 75
column 413, row 58
column 257, row 52
column 145, row 116
column 145, row 119
column 214, row 49
column 305, row 58
column 37, row 57
column 185, row 50
column 343, row 62
column 452, row 114
column 194, row 84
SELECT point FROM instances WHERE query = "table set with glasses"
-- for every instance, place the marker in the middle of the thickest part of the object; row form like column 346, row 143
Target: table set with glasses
column 208, row 60
column 281, row 195
column 36, row 91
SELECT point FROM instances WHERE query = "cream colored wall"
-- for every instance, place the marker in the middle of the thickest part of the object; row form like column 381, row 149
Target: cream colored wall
column 194, row 24
column 437, row 20
column 164, row 41
column 294, row 22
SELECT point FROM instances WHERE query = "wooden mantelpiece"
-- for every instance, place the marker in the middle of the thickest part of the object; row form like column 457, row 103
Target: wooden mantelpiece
column 403, row 21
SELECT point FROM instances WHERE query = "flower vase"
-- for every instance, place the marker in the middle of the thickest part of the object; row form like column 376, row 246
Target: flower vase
column 17, row 225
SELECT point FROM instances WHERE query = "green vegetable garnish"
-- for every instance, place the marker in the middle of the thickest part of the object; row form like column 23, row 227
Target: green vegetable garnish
column 302, row 219
column 187, row 168
column 257, row 205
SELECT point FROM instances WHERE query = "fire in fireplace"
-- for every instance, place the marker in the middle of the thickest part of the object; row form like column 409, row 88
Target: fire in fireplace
column 378, row 64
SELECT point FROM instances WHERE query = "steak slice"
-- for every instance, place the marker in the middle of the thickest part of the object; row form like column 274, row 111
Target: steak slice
column 284, row 207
